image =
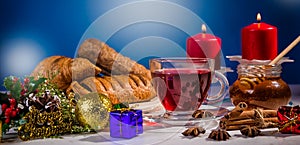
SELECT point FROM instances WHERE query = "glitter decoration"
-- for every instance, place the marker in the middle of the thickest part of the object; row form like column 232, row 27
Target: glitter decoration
column 93, row 110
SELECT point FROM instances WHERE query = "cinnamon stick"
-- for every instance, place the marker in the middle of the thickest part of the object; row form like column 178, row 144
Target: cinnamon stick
column 250, row 114
column 237, row 127
column 250, row 121
column 237, row 111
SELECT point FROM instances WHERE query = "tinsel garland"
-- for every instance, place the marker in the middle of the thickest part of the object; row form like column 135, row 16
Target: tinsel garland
column 43, row 124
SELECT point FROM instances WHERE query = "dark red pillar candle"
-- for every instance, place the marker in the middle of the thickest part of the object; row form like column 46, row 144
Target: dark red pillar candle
column 259, row 41
column 203, row 45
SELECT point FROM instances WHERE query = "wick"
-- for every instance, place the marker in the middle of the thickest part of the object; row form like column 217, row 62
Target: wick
column 203, row 28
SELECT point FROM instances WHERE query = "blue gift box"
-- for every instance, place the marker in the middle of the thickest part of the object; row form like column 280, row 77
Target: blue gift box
column 126, row 124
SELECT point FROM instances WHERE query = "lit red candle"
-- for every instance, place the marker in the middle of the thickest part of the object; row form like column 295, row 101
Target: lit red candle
column 203, row 45
column 259, row 41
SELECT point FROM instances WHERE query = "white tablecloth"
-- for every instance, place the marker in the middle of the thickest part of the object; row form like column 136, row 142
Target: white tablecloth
column 172, row 135
column 167, row 136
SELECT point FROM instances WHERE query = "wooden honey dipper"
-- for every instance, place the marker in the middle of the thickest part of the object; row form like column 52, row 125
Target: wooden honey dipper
column 285, row 51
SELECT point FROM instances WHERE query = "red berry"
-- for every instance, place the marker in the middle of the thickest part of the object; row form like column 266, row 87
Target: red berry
column 23, row 92
column 7, row 120
column 26, row 80
column 12, row 101
column 13, row 114
column 12, row 107
column 7, row 112
column 18, row 110
column 4, row 106
column 15, row 79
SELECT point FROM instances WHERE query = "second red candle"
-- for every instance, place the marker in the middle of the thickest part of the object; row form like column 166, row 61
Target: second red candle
column 259, row 41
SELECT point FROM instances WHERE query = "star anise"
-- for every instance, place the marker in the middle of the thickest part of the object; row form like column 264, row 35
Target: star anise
column 250, row 131
column 219, row 135
column 193, row 131
column 202, row 114
column 166, row 115
column 223, row 123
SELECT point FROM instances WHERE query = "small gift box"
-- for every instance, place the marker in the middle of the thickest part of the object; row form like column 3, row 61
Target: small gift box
column 289, row 119
column 126, row 123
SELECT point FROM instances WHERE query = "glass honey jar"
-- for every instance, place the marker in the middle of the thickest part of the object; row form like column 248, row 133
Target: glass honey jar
column 260, row 86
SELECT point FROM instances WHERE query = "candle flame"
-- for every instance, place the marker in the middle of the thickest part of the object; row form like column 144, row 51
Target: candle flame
column 203, row 28
column 258, row 17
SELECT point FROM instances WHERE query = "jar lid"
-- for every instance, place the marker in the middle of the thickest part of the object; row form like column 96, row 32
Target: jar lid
column 239, row 59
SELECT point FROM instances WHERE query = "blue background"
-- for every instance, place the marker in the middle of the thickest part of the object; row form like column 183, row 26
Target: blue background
column 33, row 30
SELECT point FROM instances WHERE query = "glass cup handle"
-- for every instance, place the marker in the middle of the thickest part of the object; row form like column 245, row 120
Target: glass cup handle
column 223, row 91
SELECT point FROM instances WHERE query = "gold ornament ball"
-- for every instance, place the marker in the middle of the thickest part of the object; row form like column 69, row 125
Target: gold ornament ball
column 93, row 109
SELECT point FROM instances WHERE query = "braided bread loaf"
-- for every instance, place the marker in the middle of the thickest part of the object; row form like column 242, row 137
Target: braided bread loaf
column 63, row 70
column 125, row 80
column 119, row 88
column 109, row 60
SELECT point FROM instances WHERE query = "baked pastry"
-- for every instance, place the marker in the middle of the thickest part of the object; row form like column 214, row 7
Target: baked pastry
column 125, row 80
column 119, row 88
column 63, row 70
column 109, row 60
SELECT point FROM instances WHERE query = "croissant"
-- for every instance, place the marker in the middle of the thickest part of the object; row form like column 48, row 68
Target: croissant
column 108, row 59
column 63, row 70
column 119, row 88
